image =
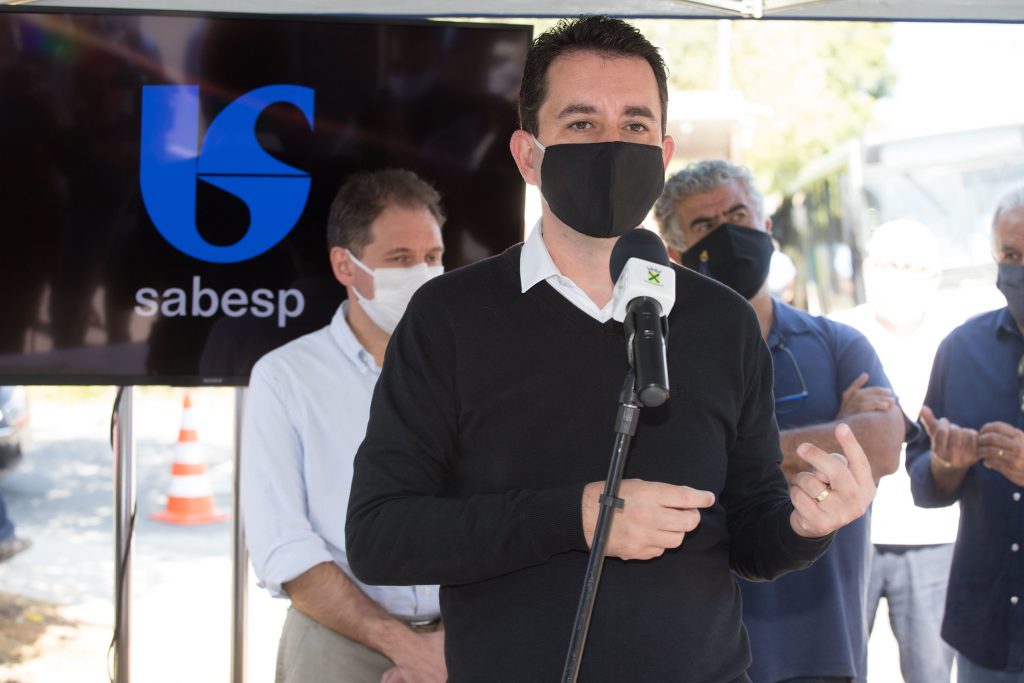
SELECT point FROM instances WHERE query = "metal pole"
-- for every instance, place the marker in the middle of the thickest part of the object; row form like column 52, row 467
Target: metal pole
column 240, row 558
column 124, row 530
column 625, row 427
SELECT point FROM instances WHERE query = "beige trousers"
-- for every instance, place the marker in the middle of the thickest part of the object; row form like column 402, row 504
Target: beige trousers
column 311, row 653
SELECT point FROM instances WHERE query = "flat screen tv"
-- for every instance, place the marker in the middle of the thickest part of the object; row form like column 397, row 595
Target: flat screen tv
column 166, row 177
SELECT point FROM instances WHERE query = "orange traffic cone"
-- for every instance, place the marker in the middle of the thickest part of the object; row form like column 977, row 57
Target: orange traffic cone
column 190, row 500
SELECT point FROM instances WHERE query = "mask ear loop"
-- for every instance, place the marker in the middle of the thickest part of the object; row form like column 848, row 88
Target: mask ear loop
column 366, row 269
column 542, row 148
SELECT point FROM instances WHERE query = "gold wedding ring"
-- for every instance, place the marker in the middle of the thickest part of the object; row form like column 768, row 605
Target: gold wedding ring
column 824, row 493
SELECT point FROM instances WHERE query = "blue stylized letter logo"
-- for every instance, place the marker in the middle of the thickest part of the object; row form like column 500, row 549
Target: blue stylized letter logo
column 231, row 158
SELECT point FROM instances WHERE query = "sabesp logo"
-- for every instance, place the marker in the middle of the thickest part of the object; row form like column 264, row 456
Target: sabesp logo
column 231, row 158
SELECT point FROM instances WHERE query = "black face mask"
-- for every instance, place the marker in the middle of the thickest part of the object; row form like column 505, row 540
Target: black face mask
column 737, row 257
column 601, row 189
column 1010, row 282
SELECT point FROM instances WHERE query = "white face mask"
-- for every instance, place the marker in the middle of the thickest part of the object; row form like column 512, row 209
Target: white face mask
column 392, row 289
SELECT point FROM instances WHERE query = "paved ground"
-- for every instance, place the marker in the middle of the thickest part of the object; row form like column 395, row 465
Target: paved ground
column 61, row 497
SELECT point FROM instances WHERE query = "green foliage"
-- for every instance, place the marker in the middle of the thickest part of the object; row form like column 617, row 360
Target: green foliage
column 820, row 80
column 689, row 48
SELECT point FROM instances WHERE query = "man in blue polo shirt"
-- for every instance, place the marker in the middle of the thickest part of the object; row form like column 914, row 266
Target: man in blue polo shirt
column 808, row 626
column 973, row 452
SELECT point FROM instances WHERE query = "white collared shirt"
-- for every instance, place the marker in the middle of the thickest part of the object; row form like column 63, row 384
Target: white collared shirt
column 306, row 414
column 535, row 265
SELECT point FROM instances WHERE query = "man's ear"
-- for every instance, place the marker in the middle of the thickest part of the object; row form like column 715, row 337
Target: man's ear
column 675, row 255
column 668, row 148
column 768, row 225
column 527, row 155
column 342, row 266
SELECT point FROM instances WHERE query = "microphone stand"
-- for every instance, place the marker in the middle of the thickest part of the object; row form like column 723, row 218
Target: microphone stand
column 625, row 427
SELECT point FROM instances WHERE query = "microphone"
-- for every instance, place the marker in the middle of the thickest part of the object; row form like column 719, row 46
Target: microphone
column 645, row 290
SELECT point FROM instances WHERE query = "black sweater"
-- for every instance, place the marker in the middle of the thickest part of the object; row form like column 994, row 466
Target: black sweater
column 496, row 407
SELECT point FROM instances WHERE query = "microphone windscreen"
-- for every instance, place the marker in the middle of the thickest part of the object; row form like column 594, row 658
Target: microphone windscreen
column 637, row 243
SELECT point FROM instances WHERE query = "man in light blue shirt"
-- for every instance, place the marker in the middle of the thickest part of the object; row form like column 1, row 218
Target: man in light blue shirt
column 307, row 410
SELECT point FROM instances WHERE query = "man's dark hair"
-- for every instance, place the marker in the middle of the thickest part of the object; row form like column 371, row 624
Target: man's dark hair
column 363, row 198
column 599, row 34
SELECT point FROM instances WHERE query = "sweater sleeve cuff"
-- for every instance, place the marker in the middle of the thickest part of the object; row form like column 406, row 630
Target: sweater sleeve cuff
column 557, row 519
column 801, row 548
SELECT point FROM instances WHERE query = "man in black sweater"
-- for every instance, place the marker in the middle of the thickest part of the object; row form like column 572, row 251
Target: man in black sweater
column 490, row 428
